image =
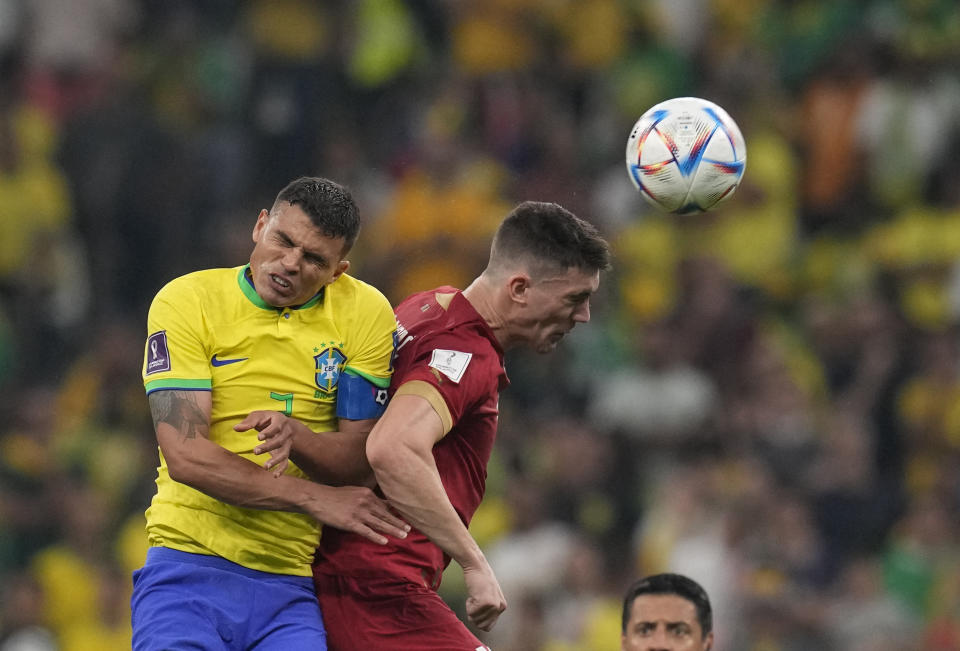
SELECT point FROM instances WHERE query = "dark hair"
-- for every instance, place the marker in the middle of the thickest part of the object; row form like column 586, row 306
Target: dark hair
column 675, row 584
column 329, row 205
column 548, row 236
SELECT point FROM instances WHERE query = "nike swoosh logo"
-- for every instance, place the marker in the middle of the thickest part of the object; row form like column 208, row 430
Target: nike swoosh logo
column 224, row 362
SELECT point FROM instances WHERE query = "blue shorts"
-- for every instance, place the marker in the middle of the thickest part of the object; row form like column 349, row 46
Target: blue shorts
column 191, row 601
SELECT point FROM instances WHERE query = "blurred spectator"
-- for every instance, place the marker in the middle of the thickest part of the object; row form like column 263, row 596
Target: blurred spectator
column 853, row 507
column 529, row 560
column 75, row 571
column 688, row 526
column 769, row 397
column 444, row 205
column 659, row 396
column 901, row 129
column 22, row 626
column 32, row 184
column 70, row 48
column 578, row 615
column 864, row 616
column 827, row 134
column 921, row 553
column 28, row 470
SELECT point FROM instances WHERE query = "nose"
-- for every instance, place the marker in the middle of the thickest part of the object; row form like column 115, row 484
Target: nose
column 291, row 259
column 582, row 313
column 659, row 641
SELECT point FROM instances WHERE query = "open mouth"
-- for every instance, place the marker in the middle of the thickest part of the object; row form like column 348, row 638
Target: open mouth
column 282, row 283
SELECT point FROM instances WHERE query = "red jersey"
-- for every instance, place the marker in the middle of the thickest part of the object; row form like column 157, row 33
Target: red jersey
column 446, row 348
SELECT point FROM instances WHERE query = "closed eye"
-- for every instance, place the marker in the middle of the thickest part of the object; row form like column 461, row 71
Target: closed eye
column 315, row 259
column 282, row 239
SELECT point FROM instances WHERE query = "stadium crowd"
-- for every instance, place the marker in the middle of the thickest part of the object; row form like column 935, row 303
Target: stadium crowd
column 767, row 398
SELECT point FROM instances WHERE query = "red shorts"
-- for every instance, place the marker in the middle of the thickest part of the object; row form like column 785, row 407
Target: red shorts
column 375, row 614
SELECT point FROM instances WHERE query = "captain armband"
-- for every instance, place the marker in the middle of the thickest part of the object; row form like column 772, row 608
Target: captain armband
column 358, row 398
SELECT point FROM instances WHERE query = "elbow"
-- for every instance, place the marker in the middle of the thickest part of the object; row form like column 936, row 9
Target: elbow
column 178, row 473
column 394, row 463
column 379, row 456
column 180, row 470
column 390, row 460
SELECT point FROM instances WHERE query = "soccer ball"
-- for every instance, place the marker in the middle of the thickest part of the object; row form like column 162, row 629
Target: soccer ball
column 686, row 155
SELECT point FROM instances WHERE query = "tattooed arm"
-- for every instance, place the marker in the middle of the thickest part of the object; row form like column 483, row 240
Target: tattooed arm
column 182, row 423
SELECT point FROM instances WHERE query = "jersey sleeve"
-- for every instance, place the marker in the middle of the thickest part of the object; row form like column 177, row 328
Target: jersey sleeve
column 175, row 353
column 372, row 339
column 454, row 373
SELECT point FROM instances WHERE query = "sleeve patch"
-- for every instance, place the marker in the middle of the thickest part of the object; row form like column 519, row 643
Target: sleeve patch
column 158, row 357
column 451, row 363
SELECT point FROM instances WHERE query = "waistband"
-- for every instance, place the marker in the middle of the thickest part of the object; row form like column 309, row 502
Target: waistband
column 167, row 555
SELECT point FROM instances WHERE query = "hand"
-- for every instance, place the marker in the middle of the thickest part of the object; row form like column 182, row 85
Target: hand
column 485, row 600
column 358, row 509
column 276, row 432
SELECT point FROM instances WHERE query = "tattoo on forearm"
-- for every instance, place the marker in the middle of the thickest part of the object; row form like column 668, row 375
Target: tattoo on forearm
column 180, row 410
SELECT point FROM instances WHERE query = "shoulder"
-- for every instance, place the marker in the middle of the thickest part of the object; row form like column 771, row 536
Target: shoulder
column 428, row 307
column 349, row 288
column 462, row 371
column 439, row 295
column 459, row 348
column 199, row 283
column 210, row 291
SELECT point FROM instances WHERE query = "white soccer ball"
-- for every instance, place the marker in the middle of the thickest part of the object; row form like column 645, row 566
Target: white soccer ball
column 686, row 155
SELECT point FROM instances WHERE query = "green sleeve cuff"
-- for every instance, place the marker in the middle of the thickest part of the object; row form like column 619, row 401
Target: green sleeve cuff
column 379, row 382
column 173, row 384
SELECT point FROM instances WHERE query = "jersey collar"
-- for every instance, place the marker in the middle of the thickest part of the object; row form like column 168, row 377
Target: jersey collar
column 245, row 281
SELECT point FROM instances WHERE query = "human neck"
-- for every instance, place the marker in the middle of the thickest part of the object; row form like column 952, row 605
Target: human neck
column 483, row 298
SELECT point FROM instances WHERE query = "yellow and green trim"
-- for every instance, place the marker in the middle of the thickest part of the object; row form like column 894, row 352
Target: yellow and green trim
column 246, row 286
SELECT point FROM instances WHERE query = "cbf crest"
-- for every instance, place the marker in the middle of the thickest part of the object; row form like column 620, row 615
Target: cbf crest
column 329, row 362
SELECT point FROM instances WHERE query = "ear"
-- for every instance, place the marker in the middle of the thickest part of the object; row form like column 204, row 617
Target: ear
column 709, row 642
column 518, row 286
column 342, row 266
column 262, row 220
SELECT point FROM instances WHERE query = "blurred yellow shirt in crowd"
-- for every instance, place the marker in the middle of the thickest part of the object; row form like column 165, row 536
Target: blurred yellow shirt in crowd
column 34, row 196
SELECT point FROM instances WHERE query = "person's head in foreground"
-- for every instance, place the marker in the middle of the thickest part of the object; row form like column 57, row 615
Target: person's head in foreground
column 544, row 266
column 666, row 612
column 301, row 242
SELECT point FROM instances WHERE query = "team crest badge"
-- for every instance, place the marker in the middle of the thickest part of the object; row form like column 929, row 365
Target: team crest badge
column 329, row 362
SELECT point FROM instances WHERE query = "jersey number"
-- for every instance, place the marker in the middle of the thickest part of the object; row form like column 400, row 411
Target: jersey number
column 286, row 399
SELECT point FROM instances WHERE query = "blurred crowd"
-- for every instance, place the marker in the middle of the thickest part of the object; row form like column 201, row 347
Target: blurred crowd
column 767, row 398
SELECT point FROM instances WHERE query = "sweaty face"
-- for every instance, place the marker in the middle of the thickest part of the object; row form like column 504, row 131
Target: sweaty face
column 555, row 305
column 292, row 259
column 664, row 622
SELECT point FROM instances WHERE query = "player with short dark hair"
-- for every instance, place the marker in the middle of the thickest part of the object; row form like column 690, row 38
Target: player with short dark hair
column 233, row 536
column 666, row 612
column 430, row 449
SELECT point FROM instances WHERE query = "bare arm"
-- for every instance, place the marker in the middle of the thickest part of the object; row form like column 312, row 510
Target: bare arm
column 335, row 458
column 400, row 451
column 182, row 423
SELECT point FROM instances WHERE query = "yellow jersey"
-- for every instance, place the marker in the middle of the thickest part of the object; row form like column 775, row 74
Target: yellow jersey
column 210, row 331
